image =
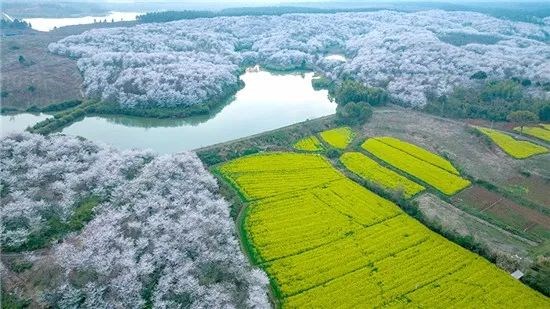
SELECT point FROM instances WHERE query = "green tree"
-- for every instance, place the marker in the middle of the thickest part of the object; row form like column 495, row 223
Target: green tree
column 522, row 118
column 479, row 75
column 354, row 113
column 544, row 113
column 354, row 91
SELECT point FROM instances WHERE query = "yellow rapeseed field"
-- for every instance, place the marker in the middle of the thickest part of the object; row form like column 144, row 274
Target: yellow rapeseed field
column 441, row 179
column 327, row 242
column 538, row 132
column 338, row 138
column 310, row 143
column 370, row 170
column 515, row 148
column 419, row 152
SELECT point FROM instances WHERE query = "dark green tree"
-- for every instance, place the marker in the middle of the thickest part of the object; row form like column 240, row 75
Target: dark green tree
column 479, row 75
column 354, row 91
column 544, row 113
column 522, row 118
column 354, row 113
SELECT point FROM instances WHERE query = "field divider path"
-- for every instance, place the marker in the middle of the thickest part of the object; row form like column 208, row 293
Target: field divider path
column 367, row 265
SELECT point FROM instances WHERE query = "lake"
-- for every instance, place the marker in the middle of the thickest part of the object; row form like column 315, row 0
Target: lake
column 19, row 122
column 48, row 24
column 268, row 101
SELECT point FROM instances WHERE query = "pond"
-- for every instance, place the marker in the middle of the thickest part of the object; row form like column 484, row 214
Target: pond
column 268, row 101
column 19, row 122
column 48, row 24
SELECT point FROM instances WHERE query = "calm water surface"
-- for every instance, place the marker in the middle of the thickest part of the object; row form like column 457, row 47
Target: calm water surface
column 48, row 24
column 19, row 122
column 268, row 101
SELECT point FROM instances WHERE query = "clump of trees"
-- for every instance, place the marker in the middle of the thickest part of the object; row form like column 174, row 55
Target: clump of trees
column 353, row 113
column 354, row 99
column 491, row 100
column 353, row 91
column 192, row 61
column 133, row 229
column 14, row 24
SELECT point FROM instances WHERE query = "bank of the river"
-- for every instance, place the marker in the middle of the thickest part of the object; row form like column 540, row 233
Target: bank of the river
column 269, row 100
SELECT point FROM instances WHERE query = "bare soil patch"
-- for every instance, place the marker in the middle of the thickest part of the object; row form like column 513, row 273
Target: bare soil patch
column 521, row 218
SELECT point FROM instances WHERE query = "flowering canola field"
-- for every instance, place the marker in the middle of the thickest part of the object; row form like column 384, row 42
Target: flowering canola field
column 437, row 177
column 538, row 132
column 370, row 170
column 327, row 242
column 513, row 147
column 310, row 143
column 338, row 138
column 419, row 153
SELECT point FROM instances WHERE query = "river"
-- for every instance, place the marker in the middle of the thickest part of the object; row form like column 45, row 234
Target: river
column 268, row 101
column 48, row 24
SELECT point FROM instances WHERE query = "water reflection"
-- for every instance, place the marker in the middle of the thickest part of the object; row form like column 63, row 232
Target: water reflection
column 48, row 24
column 11, row 123
column 268, row 101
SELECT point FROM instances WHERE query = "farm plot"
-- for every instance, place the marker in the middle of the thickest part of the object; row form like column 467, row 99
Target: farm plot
column 370, row 170
column 497, row 207
column 419, row 153
column 310, row 143
column 515, row 148
column 441, row 179
column 338, row 138
column 325, row 241
column 538, row 132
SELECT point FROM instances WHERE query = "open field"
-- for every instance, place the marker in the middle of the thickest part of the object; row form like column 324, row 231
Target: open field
column 310, row 143
column 512, row 251
column 338, row 138
column 40, row 78
column 468, row 151
column 441, row 179
column 326, row 241
column 525, row 220
column 530, row 187
column 515, row 148
column 539, row 132
column 370, row 170
column 523, row 182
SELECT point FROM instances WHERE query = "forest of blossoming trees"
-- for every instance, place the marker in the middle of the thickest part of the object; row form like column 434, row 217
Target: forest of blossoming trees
column 160, row 219
column 410, row 54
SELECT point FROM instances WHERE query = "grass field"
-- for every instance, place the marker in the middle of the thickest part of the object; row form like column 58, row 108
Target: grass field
column 372, row 171
column 441, row 179
column 338, row 138
column 538, row 132
column 515, row 148
column 310, row 143
column 419, row 153
column 325, row 241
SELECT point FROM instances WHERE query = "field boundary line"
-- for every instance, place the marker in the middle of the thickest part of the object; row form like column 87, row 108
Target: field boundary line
column 359, row 268
column 421, row 159
column 489, row 224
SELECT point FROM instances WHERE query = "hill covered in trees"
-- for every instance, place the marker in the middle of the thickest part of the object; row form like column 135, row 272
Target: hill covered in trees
column 118, row 229
column 189, row 62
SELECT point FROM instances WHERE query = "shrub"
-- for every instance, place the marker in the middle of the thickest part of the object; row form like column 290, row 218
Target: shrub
column 353, row 113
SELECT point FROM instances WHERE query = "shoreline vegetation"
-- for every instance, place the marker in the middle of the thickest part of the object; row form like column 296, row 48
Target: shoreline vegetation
column 357, row 97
